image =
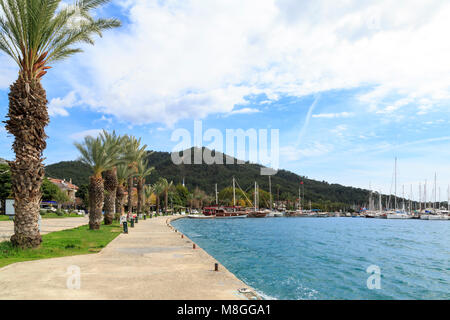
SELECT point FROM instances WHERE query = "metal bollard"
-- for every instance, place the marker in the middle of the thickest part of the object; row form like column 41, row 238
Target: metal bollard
column 216, row 267
column 193, row 246
column 182, row 236
column 132, row 223
column 125, row 227
column 137, row 220
column 145, row 217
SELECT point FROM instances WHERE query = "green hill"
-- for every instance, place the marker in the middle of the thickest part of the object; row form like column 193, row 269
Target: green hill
column 285, row 184
column 75, row 170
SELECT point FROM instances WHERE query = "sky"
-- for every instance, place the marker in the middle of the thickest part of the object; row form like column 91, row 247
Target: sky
column 350, row 84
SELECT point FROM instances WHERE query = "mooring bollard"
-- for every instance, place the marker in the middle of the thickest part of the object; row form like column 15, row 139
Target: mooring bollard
column 216, row 267
column 193, row 246
column 132, row 223
column 125, row 227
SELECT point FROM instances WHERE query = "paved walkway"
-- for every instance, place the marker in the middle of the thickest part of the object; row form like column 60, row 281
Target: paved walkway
column 48, row 225
column 151, row 262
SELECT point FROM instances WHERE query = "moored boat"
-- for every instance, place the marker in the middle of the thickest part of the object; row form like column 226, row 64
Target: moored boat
column 256, row 214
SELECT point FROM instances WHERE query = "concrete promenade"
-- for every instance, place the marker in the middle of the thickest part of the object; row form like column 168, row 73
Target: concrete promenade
column 150, row 262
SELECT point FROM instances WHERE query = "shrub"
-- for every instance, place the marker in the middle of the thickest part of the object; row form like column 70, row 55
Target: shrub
column 59, row 212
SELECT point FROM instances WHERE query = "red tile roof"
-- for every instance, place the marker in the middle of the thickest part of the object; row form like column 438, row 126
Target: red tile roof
column 63, row 183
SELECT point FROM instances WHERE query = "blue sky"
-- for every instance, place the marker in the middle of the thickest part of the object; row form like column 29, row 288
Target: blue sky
column 349, row 87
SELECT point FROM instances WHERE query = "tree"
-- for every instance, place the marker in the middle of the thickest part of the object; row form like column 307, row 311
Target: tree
column 165, row 186
column 158, row 189
column 123, row 173
column 48, row 190
column 5, row 181
column 143, row 171
column 100, row 157
column 148, row 193
column 183, row 194
column 133, row 153
column 83, row 194
column 61, row 197
column 36, row 34
column 112, row 142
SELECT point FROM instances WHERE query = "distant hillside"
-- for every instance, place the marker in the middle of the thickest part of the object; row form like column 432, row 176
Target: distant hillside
column 75, row 170
column 285, row 184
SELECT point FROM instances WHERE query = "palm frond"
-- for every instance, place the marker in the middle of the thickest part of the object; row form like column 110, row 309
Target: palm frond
column 35, row 32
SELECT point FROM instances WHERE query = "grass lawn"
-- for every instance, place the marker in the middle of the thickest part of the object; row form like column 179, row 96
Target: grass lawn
column 63, row 243
column 55, row 216
column 48, row 216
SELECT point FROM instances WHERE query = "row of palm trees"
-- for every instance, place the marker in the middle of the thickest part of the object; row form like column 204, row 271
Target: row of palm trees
column 117, row 162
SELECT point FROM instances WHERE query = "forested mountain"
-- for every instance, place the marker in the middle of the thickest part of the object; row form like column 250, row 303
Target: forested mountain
column 75, row 170
column 285, row 184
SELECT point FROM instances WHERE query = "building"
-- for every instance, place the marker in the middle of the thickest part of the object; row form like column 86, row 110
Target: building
column 67, row 186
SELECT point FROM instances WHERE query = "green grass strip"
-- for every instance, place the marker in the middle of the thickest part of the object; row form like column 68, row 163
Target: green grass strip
column 48, row 216
column 63, row 243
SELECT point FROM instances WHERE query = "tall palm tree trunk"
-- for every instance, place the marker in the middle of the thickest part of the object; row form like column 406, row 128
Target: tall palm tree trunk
column 110, row 194
column 166, row 196
column 28, row 117
column 96, row 197
column 130, row 199
column 140, row 190
column 157, row 204
column 120, row 197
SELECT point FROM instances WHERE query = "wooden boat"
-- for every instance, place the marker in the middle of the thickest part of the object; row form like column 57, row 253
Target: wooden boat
column 256, row 214
column 222, row 213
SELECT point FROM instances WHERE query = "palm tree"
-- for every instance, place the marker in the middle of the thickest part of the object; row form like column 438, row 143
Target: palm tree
column 158, row 189
column 36, row 34
column 110, row 176
column 148, row 192
column 100, row 157
column 123, row 173
column 165, row 186
column 133, row 153
column 143, row 171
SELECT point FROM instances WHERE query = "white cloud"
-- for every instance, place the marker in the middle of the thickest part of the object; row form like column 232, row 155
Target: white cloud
column 82, row 134
column 334, row 115
column 244, row 111
column 193, row 58
column 58, row 106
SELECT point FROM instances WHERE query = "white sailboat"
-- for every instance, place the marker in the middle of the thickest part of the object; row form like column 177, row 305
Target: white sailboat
column 398, row 214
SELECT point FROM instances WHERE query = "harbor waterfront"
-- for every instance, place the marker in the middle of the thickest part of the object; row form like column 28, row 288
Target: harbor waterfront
column 307, row 258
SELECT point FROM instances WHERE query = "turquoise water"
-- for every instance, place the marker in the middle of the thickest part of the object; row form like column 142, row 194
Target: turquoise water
column 327, row 258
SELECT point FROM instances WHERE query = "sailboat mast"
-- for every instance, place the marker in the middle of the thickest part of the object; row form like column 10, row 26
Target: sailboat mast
column 420, row 196
column 403, row 196
column 234, row 194
column 380, row 204
column 435, row 190
column 217, row 199
column 270, row 191
column 395, row 193
column 254, row 198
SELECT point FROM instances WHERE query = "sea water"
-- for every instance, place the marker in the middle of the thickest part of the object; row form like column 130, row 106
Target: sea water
column 329, row 258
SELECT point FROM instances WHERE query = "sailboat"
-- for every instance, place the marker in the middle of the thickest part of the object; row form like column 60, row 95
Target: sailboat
column 256, row 213
column 398, row 214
